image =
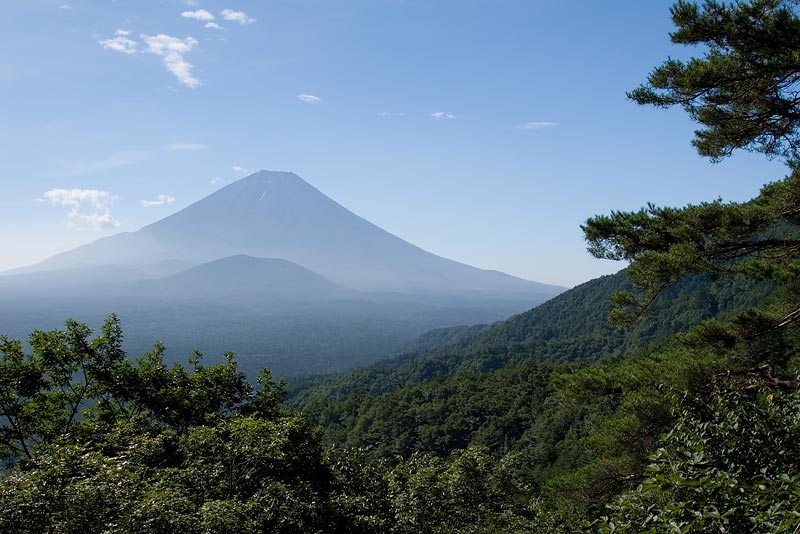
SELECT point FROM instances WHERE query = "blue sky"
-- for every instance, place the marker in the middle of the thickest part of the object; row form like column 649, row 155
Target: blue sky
column 485, row 131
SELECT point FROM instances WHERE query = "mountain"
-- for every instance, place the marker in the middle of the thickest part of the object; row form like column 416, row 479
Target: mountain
column 279, row 215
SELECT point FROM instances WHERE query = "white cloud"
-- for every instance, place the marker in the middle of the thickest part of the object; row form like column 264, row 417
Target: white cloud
column 240, row 170
column 118, row 159
column 214, row 25
column 171, row 50
column 191, row 3
column 120, row 43
column 186, row 146
column 161, row 200
column 237, row 16
column 66, row 6
column 217, row 181
column 88, row 208
column 311, row 99
column 198, row 14
column 536, row 125
column 445, row 115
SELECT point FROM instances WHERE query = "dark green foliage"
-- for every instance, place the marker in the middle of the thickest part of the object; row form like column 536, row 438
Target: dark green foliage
column 729, row 464
column 758, row 239
column 42, row 394
column 579, row 433
column 241, row 475
column 490, row 389
column 98, row 443
column 744, row 90
column 468, row 493
column 487, row 409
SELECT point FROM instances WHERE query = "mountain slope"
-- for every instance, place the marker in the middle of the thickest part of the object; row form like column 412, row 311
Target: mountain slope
column 279, row 215
column 428, row 386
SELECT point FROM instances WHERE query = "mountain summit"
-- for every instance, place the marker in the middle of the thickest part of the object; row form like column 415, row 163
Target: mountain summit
column 279, row 215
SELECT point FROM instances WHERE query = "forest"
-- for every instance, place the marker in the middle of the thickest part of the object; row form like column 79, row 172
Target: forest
column 664, row 398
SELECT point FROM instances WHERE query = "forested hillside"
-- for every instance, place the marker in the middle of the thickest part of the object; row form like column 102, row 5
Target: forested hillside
column 498, row 388
column 572, row 327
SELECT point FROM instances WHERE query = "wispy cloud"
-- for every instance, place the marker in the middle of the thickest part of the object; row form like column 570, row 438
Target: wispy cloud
column 214, row 25
column 88, row 208
column 237, row 16
column 240, row 170
column 113, row 161
column 186, row 146
column 198, row 14
column 171, row 50
column 310, row 99
column 217, row 181
column 536, row 125
column 120, row 43
column 161, row 200
column 66, row 7
column 191, row 3
column 439, row 115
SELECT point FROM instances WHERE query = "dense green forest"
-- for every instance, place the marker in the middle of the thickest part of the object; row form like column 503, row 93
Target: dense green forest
column 680, row 415
column 488, row 386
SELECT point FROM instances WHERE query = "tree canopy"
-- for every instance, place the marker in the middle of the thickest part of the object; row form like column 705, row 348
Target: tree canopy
column 727, row 464
column 745, row 90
